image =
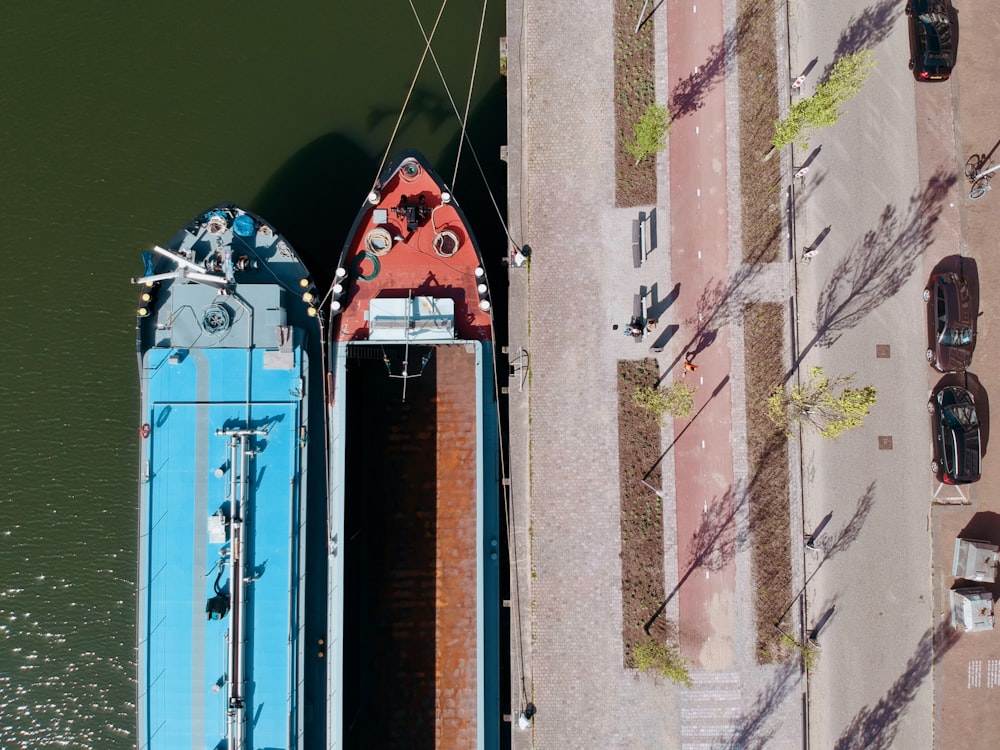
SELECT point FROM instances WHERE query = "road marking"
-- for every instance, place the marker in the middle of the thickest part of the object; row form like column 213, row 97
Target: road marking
column 710, row 711
column 701, row 381
column 707, row 574
column 975, row 673
column 699, row 192
column 694, row 8
column 993, row 673
column 699, row 258
column 705, row 507
column 697, row 129
column 702, row 443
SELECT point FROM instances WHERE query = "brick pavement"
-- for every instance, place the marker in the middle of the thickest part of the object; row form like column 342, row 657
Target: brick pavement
column 957, row 123
column 567, row 650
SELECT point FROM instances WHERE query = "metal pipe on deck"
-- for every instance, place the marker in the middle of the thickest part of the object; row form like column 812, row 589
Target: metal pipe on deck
column 177, row 258
column 239, row 459
column 237, row 537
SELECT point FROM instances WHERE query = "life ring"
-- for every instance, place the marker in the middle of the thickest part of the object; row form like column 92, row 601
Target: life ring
column 145, row 430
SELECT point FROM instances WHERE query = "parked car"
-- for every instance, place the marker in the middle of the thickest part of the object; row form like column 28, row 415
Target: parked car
column 951, row 321
column 932, row 41
column 957, row 451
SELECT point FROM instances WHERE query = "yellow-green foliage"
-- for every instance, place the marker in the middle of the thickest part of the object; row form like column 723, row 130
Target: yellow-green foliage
column 650, row 132
column 822, row 109
column 809, row 650
column 815, row 404
column 677, row 400
column 665, row 659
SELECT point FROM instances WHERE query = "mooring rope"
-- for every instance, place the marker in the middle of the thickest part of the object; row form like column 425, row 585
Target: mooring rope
column 468, row 98
column 413, row 83
column 465, row 136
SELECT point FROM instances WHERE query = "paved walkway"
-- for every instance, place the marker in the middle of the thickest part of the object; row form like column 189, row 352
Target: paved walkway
column 564, row 445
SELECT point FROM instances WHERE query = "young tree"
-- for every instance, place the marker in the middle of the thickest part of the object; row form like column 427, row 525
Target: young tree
column 665, row 659
column 815, row 403
column 650, row 132
column 808, row 649
column 677, row 399
column 823, row 108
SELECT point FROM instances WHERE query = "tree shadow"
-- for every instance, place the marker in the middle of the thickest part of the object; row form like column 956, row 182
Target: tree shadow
column 717, row 302
column 875, row 727
column 852, row 529
column 688, row 96
column 839, row 542
column 715, row 392
column 713, row 540
column 866, row 30
column 751, row 731
column 877, row 266
column 716, row 541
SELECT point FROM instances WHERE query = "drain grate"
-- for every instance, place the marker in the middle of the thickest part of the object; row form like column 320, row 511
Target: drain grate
column 882, row 351
column 885, row 442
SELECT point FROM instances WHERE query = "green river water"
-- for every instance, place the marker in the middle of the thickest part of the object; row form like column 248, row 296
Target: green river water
column 119, row 122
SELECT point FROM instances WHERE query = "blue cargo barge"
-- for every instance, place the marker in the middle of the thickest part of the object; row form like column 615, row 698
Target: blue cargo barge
column 226, row 323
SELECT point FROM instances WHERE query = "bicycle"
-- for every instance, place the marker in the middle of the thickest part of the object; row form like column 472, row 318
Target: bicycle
column 980, row 179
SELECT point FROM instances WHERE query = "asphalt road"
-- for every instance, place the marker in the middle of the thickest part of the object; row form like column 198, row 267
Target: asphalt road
column 860, row 311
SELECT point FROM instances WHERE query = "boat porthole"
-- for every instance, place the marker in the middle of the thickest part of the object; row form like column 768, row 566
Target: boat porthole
column 360, row 259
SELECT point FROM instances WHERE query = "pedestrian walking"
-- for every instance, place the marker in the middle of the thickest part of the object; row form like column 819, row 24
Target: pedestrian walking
column 689, row 366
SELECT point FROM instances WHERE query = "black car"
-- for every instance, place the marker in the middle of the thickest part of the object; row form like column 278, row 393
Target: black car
column 950, row 322
column 932, row 41
column 957, row 450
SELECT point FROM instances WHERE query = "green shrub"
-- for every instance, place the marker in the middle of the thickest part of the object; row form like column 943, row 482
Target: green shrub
column 665, row 659
column 650, row 132
column 677, row 399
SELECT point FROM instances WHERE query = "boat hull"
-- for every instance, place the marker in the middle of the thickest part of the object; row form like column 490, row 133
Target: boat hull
column 414, row 477
column 225, row 452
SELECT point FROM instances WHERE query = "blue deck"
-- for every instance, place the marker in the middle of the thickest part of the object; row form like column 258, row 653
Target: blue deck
column 183, row 655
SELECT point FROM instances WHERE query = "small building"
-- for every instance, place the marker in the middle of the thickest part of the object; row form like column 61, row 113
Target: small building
column 972, row 609
column 975, row 560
